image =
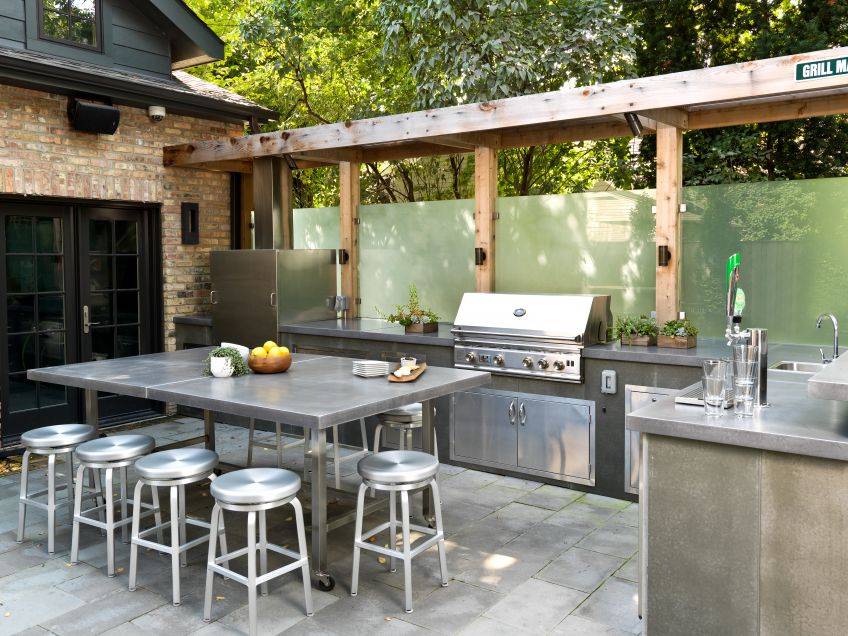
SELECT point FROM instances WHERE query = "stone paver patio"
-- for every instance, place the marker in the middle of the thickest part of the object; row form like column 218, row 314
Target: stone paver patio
column 524, row 558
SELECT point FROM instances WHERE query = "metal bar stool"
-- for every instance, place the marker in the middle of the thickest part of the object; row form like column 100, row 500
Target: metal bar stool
column 108, row 454
column 255, row 490
column 404, row 420
column 50, row 441
column 172, row 469
column 336, row 457
column 404, row 472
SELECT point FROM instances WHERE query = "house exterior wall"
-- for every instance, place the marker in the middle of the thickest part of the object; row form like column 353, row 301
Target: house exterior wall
column 41, row 155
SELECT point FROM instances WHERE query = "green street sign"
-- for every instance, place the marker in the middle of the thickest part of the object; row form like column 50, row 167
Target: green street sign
column 821, row 68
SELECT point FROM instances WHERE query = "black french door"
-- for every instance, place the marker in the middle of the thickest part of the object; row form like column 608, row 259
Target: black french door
column 75, row 285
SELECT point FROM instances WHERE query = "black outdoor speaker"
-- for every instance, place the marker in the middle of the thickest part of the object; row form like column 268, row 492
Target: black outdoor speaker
column 93, row 117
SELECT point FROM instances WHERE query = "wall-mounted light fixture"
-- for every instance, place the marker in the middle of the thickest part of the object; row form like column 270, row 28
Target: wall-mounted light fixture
column 479, row 256
column 190, row 223
column 663, row 255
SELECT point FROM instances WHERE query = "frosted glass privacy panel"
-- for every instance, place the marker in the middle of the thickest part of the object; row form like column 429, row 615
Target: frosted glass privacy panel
column 792, row 237
column 429, row 244
column 588, row 243
column 316, row 228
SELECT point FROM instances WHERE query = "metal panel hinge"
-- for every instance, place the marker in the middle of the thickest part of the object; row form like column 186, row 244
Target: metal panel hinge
column 358, row 301
column 496, row 216
column 356, row 220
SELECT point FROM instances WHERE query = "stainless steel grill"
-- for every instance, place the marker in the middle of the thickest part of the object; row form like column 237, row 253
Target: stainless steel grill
column 538, row 335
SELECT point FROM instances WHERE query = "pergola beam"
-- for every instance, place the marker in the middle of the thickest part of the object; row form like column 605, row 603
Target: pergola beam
column 763, row 112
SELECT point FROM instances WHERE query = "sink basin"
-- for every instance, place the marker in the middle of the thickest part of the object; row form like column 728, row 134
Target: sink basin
column 798, row 367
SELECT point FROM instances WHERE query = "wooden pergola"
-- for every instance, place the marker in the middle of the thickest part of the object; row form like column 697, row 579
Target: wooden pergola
column 782, row 88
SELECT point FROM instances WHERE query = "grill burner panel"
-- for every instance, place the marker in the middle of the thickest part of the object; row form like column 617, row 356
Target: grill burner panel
column 528, row 335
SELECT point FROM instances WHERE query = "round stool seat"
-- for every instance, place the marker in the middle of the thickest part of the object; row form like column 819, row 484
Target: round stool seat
column 255, row 486
column 115, row 448
column 408, row 413
column 58, row 436
column 177, row 463
column 398, row 467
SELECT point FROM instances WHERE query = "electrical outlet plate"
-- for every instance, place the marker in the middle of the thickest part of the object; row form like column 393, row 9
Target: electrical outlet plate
column 609, row 382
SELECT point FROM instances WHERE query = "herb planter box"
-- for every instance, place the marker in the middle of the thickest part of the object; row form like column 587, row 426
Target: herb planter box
column 638, row 341
column 422, row 327
column 678, row 342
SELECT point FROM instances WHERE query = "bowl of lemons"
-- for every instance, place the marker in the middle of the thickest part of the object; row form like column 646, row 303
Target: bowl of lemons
column 269, row 358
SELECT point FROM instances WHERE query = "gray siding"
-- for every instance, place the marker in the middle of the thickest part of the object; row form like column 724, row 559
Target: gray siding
column 137, row 43
column 12, row 23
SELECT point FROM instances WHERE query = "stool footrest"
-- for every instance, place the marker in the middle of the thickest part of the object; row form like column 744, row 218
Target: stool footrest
column 299, row 562
column 415, row 551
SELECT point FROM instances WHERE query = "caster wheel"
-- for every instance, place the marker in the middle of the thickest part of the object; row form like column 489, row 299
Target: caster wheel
column 325, row 583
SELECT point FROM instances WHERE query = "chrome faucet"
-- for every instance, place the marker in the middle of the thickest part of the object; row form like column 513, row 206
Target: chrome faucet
column 835, row 322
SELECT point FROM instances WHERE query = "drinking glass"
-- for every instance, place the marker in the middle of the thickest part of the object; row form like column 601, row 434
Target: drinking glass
column 745, row 353
column 744, row 386
column 713, row 382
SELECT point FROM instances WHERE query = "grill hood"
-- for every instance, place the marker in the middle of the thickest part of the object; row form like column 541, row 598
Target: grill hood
column 581, row 319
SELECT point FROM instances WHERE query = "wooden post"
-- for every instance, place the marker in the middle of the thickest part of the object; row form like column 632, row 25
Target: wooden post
column 349, row 231
column 286, row 206
column 669, row 197
column 485, row 196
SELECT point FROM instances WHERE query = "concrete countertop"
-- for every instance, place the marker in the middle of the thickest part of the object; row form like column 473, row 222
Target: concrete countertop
column 831, row 383
column 371, row 329
column 794, row 423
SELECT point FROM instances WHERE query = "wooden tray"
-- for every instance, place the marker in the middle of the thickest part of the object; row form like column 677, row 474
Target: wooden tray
column 409, row 378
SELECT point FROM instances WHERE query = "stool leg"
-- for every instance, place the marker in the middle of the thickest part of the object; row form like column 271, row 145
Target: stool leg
column 222, row 535
column 136, row 520
column 110, row 521
column 357, row 537
column 175, row 545
column 301, row 544
column 24, row 494
column 251, row 428
column 94, row 482
column 377, row 432
column 210, row 560
column 251, row 573
column 437, row 504
column 278, row 437
column 337, row 458
column 407, row 556
column 51, row 503
column 77, row 512
column 263, row 550
column 182, row 520
column 157, row 514
column 364, row 433
column 69, row 478
column 401, row 440
column 408, row 433
column 435, row 446
column 392, row 529
column 122, row 473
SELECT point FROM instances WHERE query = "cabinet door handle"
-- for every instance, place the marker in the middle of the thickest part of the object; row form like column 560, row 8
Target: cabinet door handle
column 522, row 414
column 511, row 412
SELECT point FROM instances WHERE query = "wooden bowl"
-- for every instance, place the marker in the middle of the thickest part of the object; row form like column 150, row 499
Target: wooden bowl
column 275, row 364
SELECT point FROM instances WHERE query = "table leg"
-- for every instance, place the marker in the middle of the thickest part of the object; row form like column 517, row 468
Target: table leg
column 92, row 412
column 209, row 429
column 428, row 433
column 318, row 455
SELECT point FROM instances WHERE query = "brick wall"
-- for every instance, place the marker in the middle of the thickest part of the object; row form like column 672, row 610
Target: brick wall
column 41, row 155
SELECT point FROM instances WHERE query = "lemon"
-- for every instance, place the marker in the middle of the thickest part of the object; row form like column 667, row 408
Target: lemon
column 269, row 345
column 259, row 352
column 278, row 352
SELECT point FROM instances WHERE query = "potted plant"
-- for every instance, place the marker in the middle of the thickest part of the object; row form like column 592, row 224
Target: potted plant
column 413, row 318
column 632, row 330
column 680, row 333
column 224, row 362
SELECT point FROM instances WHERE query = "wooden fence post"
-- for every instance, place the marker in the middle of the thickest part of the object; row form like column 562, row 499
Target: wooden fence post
column 669, row 198
column 485, row 196
column 349, row 232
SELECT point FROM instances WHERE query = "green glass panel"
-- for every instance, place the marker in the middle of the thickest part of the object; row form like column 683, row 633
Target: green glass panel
column 19, row 234
column 100, row 272
column 20, row 311
column 316, row 228
column 48, row 235
column 51, row 311
column 50, row 276
column 20, row 274
column 100, row 236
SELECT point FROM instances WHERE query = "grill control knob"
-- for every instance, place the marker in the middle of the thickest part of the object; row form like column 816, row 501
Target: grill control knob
column 543, row 364
column 498, row 360
column 559, row 365
column 527, row 362
column 470, row 357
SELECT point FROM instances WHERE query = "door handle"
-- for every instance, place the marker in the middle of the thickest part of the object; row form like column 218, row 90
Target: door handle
column 273, row 299
column 522, row 414
column 511, row 412
column 86, row 322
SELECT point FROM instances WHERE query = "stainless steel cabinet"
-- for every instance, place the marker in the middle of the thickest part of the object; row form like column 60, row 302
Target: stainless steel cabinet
column 635, row 397
column 532, row 434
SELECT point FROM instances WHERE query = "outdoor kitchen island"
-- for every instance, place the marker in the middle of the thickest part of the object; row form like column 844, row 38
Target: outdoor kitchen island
column 743, row 520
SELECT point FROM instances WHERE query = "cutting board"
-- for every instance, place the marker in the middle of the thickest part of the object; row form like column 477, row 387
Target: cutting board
column 411, row 377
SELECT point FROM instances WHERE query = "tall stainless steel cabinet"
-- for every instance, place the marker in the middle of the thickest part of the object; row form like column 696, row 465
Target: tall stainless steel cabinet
column 253, row 291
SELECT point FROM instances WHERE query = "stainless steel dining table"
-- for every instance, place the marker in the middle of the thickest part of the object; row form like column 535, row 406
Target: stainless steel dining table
column 316, row 393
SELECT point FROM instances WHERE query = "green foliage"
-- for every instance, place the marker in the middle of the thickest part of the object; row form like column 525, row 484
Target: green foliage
column 411, row 313
column 239, row 366
column 679, row 328
column 629, row 326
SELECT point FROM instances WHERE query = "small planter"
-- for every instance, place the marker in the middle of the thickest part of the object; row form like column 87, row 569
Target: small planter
column 678, row 342
column 421, row 327
column 221, row 367
column 638, row 341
